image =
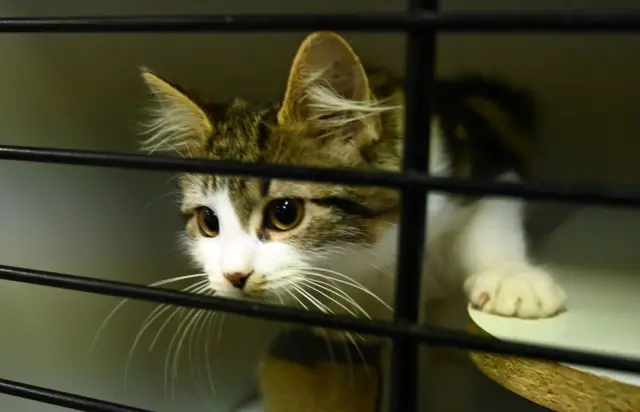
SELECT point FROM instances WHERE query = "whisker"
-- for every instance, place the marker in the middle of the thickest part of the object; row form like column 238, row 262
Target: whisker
column 113, row 312
column 279, row 296
column 176, row 357
column 357, row 347
column 164, row 325
column 281, row 281
column 330, row 351
column 296, row 298
column 155, row 314
column 196, row 367
column 307, row 284
column 380, row 269
column 161, row 197
column 350, row 360
column 353, row 284
column 337, row 291
column 323, row 308
column 165, row 305
column 155, row 339
column 171, row 351
column 180, row 333
column 222, row 318
column 207, row 349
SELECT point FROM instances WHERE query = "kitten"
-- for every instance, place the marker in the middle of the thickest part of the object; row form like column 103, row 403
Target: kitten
column 332, row 247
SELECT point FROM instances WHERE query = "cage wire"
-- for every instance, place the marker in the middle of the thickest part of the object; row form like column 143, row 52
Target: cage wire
column 422, row 22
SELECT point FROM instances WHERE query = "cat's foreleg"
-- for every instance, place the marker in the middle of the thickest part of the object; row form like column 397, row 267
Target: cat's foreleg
column 499, row 277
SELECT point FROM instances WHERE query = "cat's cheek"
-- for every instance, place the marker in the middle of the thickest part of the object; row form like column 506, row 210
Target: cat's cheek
column 279, row 265
column 274, row 258
column 207, row 254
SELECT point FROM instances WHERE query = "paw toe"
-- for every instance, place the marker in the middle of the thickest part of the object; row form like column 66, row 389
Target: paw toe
column 519, row 291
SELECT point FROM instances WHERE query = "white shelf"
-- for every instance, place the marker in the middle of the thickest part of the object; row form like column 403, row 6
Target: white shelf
column 604, row 299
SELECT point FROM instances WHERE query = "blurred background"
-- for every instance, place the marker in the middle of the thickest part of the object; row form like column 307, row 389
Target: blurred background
column 83, row 91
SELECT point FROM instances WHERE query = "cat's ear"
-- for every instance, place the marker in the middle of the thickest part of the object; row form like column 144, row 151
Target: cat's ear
column 328, row 89
column 177, row 120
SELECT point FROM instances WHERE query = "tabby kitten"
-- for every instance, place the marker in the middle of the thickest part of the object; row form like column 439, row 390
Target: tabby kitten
column 332, row 247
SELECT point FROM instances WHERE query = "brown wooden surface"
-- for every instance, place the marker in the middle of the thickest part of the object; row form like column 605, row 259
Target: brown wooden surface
column 556, row 386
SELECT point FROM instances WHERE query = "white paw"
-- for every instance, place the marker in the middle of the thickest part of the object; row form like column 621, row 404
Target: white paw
column 517, row 290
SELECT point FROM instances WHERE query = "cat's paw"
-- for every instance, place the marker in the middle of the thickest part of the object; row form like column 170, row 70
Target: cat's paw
column 516, row 290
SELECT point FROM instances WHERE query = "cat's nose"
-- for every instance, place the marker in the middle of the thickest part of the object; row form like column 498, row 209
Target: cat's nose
column 238, row 279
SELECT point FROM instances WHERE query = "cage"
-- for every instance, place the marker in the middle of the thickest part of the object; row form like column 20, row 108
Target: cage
column 72, row 96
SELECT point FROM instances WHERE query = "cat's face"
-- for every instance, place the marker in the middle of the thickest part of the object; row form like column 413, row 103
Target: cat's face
column 279, row 240
column 266, row 243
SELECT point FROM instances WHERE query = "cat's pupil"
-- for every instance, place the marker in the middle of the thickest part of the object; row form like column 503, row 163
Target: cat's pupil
column 209, row 223
column 285, row 211
column 210, row 219
column 283, row 214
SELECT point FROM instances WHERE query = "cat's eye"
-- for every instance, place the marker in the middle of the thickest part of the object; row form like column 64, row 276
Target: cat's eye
column 208, row 222
column 284, row 214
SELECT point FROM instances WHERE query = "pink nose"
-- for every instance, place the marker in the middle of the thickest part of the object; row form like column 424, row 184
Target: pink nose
column 238, row 279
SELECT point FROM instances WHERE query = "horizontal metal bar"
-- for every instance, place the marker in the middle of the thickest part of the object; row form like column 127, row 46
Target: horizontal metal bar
column 541, row 191
column 545, row 21
column 64, row 399
column 418, row 333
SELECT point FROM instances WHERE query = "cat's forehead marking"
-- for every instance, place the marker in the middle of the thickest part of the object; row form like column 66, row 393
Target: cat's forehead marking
column 243, row 194
column 220, row 201
column 239, row 135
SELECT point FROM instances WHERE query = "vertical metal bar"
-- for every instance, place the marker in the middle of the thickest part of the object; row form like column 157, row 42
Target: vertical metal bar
column 420, row 68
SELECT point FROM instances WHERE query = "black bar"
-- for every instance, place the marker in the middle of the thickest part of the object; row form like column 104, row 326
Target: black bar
column 459, row 22
column 541, row 191
column 423, row 334
column 64, row 399
column 420, row 67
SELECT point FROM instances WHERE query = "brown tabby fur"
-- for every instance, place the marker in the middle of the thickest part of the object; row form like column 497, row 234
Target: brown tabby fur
column 485, row 123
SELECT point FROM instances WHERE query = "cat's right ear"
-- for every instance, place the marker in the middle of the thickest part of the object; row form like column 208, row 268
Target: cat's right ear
column 328, row 89
column 177, row 120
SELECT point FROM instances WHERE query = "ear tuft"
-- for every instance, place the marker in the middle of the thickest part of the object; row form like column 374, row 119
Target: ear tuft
column 177, row 121
column 328, row 88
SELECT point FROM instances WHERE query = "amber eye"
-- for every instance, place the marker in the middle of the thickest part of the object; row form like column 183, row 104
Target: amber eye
column 208, row 222
column 284, row 214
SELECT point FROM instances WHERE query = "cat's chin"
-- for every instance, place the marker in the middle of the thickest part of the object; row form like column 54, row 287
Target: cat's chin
column 248, row 297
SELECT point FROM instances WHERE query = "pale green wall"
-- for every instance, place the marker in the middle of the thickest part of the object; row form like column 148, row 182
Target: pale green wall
column 82, row 91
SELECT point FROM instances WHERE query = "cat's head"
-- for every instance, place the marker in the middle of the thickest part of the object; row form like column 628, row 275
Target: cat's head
column 273, row 239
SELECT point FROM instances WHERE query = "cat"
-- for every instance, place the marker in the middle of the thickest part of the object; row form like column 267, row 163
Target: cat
column 332, row 247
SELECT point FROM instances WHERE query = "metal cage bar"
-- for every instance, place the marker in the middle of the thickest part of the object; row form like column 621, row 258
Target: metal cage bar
column 420, row 72
column 422, row 23
column 64, row 399
column 424, row 334
column 503, row 22
column 539, row 191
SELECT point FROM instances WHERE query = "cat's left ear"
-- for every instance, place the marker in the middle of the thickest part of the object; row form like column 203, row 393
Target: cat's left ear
column 328, row 89
column 178, row 120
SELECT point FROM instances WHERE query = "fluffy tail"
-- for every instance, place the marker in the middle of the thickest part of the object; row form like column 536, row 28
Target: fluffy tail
column 499, row 118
